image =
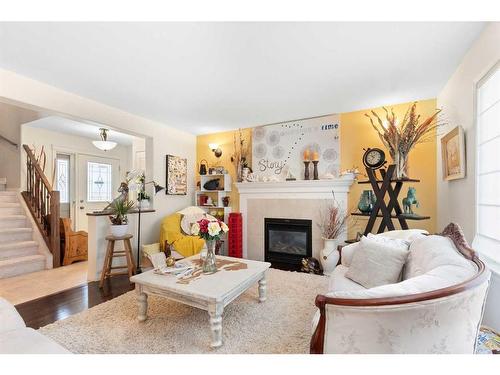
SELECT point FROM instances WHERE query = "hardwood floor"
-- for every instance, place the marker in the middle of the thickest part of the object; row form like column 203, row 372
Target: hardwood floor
column 48, row 309
column 45, row 310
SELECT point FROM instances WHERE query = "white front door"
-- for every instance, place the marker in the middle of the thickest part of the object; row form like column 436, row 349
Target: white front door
column 98, row 181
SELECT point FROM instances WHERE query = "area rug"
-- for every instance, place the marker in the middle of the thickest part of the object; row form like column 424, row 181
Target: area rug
column 282, row 324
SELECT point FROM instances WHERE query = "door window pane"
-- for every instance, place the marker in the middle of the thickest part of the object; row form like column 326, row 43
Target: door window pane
column 63, row 179
column 99, row 182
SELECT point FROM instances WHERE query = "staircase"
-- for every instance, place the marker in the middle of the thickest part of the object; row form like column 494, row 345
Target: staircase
column 19, row 253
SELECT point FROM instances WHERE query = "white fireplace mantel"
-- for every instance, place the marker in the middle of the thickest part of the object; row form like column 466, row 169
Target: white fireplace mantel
column 316, row 189
column 292, row 190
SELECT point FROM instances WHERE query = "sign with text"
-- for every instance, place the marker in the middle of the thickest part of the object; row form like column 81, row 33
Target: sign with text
column 281, row 148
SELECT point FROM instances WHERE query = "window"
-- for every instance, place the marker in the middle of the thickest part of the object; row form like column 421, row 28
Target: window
column 488, row 166
column 99, row 182
column 63, row 179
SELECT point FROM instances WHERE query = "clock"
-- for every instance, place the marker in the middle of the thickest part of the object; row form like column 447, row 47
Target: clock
column 374, row 158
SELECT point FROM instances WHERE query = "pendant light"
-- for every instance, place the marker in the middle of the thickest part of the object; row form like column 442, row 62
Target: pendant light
column 104, row 144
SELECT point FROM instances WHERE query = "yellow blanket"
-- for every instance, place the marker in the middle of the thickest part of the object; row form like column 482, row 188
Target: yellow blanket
column 171, row 232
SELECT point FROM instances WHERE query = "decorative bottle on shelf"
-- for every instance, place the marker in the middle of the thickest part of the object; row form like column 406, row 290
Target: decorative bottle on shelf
column 366, row 201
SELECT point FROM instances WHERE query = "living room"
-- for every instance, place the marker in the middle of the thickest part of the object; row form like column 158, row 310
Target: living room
column 260, row 188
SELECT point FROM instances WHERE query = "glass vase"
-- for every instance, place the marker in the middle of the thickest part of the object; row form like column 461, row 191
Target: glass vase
column 400, row 160
column 209, row 264
column 367, row 201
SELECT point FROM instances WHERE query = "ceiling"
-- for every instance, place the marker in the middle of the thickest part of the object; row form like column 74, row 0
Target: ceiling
column 81, row 129
column 207, row 77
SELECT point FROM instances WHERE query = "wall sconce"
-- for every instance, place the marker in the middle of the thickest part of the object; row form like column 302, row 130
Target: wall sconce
column 215, row 149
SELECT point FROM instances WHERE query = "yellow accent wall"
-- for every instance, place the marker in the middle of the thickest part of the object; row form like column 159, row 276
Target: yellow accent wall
column 225, row 141
column 356, row 133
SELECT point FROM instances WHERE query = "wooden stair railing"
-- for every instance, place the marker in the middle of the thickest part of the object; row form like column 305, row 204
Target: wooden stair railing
column 43, row 203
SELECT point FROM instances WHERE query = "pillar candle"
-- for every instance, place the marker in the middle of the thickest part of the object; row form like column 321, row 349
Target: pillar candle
column 306, row 154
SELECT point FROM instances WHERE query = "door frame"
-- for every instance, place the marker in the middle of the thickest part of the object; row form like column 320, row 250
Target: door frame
column 72, row 178
column 75, row 177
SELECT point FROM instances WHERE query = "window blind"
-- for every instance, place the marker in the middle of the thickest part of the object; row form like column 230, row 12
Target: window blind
column 487, row 238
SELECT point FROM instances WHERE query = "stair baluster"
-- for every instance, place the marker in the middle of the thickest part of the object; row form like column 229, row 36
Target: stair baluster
column 43, row 204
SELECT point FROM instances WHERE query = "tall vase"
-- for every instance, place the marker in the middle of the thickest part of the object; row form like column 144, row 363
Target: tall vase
column 329, row 255
column 400, row 159
column 209, row 264
column 239, row 171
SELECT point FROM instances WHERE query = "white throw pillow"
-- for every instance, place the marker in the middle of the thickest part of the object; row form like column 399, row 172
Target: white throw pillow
column 407, row 235
column 191, row 210
column 378, row 261
column 188, row 220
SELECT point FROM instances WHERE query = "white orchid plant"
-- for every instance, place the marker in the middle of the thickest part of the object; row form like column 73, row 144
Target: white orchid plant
column 209, row 229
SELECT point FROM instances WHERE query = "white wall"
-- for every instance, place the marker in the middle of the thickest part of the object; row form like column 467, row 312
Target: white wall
column 161, row 140
column 11, row 118
column 54, row 142
column 456, row 199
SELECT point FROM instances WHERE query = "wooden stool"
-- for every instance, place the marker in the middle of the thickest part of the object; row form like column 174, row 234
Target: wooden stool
column 111, row 253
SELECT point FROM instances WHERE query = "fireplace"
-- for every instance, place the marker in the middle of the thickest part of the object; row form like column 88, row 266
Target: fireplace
column 287, row 241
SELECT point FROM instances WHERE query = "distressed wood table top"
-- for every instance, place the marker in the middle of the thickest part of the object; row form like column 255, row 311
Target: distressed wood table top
column 234, row 274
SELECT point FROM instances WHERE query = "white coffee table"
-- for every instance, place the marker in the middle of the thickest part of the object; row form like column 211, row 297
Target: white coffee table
column 207, row 292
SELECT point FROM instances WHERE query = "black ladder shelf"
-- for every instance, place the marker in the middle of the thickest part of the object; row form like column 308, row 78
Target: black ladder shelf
column 386, row 186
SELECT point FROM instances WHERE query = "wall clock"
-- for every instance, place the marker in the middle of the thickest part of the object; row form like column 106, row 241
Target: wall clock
column 374, row 158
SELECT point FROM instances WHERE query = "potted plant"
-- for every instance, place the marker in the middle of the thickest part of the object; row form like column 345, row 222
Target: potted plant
column 119, row 220
column 143, row 199
column 210, row 230
column 332, row 224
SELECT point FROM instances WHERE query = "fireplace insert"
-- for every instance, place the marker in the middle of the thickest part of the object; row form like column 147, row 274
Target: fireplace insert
column 287, row 241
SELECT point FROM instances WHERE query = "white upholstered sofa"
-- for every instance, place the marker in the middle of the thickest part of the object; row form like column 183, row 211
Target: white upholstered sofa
column 436, row 308
column 16, row 338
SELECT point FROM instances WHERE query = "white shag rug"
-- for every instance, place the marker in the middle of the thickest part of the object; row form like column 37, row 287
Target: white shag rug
column 282, row 324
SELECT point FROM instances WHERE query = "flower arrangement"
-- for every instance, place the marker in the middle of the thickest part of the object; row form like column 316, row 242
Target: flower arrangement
column 401, row 137
column 209, row 229
column 333, row 221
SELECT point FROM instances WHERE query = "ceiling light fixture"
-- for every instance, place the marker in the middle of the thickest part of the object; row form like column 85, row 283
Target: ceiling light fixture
column 104, row 144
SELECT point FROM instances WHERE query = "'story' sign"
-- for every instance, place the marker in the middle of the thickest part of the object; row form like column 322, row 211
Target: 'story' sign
column 281, row 148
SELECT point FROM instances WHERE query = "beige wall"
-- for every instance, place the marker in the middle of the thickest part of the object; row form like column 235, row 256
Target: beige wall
column 11, row 118
column 161, row 138
column 456, row 199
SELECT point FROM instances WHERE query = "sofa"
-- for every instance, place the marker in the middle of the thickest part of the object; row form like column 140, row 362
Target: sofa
column 437, row 306
column 16, row 338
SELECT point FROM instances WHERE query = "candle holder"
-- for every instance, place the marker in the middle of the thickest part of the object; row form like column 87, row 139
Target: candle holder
column 315, row 172
column 306, row 169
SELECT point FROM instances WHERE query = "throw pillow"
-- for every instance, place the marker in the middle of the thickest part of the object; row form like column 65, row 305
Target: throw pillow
column 378, row 261
column 191, row 210
column 151, row 249
column 187, row 222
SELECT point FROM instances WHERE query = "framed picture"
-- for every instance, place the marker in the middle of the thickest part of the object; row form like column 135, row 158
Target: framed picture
column 176, row 176
column 453, row 154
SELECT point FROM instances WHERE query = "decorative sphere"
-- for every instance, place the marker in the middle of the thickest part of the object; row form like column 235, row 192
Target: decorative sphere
column 170, row 261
